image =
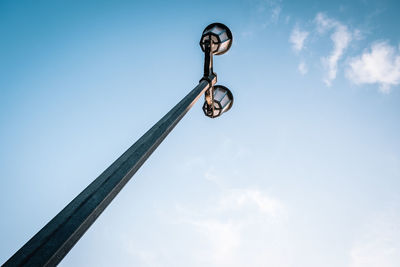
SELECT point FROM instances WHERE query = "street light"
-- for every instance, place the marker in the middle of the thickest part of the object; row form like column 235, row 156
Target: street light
column 49, row 246
column 215, row 40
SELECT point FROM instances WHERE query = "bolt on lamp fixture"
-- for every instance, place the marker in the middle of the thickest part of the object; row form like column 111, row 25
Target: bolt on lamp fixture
column 215, row 40
column 50, row 245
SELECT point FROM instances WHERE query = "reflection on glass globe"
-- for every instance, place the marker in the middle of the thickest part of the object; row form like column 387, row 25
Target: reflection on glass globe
column 221, row 38
column 223, row 101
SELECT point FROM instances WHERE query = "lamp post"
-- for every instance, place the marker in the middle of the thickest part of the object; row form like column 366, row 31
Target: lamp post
column 49, row 246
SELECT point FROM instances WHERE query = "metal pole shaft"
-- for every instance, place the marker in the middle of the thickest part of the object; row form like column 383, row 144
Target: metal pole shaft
column 49, row 246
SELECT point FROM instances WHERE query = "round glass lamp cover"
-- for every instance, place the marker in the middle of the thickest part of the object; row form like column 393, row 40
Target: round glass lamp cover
column 223, row 101
column 221, row 38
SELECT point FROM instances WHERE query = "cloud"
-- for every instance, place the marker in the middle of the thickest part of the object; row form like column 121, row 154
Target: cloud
column 271, row 8
column 303, row 68
column 324, row 23
column 297, row 38
column 240, row 199
column 378, row 65
column 229, row 226
column 275, row 13
column 379, row 244
column 341, row 37
column 240, row 219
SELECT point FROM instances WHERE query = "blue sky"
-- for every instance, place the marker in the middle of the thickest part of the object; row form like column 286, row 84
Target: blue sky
column 304, row 170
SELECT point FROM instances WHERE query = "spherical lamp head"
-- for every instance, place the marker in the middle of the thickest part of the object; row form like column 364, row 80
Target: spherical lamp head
column 221, row 38
column 223, row 101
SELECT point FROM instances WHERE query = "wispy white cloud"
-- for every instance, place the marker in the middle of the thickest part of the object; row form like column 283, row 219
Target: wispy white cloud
column 303, row 69
column 240, row 199
column 324, row 23
column 297, row 38
column 357, row 34
column 275, row 13
column 378, row 65
column 231, row 224
column 272, row 9
column 341, row 38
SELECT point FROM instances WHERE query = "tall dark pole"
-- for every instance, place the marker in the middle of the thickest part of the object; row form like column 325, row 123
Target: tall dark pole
column 49, row 246
column 54, row 241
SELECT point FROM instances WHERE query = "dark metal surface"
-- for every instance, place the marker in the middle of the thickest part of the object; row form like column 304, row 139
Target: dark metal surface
column 208, row 59
column 49, row 246
column 208, row 70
